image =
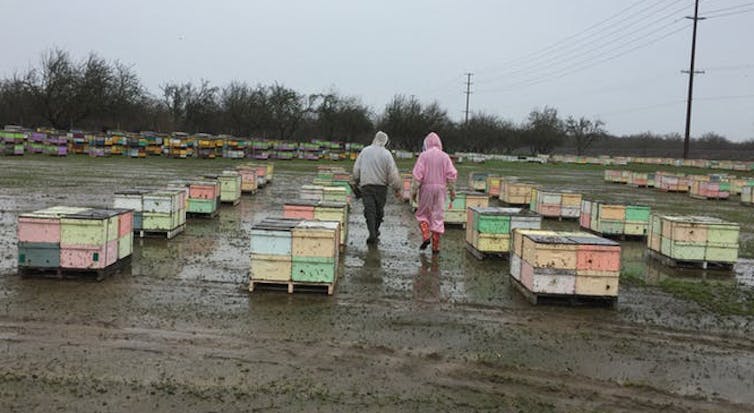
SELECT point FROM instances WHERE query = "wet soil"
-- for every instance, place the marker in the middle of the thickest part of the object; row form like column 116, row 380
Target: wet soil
column 178, row 330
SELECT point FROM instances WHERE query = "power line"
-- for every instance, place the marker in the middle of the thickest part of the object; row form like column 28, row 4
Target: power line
column 724, row 9
column 596, row 41
column 733, row 13
column 596, row 46
column 588, row 63
column 554, row 45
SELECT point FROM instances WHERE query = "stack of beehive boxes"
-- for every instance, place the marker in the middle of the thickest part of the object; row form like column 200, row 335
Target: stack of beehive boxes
column 478, row 181
column 516, row 193
column 694, row 239
column 319, row 210
column 707, row 190
column 611, row 218
column 672, row 183
column 294, row 251
column 493, row 185
column 642, row 180
column 555, row 204
column 203, row 198
column 69, row 238
column 455, row 211
column 230, row 186
column 617, row 176
column 132, row 199
column 747, row 195
column 248, row 178
column 565, row 263
column 161, row 211
column 488, row 230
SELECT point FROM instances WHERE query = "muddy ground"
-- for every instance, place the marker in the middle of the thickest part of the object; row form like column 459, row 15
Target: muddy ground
column 177, row 331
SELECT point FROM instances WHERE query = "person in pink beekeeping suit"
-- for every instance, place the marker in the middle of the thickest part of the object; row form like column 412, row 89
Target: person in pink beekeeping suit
column 433, row 177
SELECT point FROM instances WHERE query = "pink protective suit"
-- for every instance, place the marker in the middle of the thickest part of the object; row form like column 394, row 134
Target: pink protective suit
column 432, row 172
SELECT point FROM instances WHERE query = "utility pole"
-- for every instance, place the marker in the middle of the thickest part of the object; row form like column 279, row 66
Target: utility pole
column 468, row 93
column 691, row 72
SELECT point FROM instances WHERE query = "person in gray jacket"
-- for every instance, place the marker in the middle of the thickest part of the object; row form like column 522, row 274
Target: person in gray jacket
column 373, row 172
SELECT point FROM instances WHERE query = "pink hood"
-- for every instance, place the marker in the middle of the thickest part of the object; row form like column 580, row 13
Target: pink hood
column 432, row 141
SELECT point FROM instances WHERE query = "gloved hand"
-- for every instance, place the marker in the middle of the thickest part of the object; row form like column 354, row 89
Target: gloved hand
column 452, row 195
column 397, row 195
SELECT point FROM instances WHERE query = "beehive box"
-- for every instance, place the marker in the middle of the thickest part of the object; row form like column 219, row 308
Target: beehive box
column 617, row 176
column 89, row 239
column 488, row 230
column 271, row 246
column 478, row 181
column 312, row 192
column 493, row 185
column 334, row 211
column 516, row 193
column 131, row 199
column 707, row 190
column 229, row 185
column 641, row 180
column 38, row 235
column 747, row 195
column 673, row 183
column 248, row 178
column 555, row 204
column 610, row 218
column 548, row 263
column 301, row 209
column 315, row 251
column 689, row 240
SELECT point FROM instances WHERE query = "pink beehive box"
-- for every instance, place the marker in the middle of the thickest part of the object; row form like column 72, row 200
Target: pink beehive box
column 203, row 190
column 88, row 257
column 125, row 222
column 43, row 225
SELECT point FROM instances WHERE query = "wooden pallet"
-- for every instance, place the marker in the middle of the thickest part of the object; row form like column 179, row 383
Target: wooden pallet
column 202, row 215
column 162, row 234
column 690, row 264
column 456, row 225
column 481, row 255
column 231, row 203
column 563, row 299
column 70, row 273
column 292, row 286
column 252, row 192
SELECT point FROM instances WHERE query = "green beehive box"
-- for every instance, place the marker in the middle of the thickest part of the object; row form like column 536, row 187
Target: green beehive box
column 492, row 224
column 91, row 227
column 230, row 187
column 458, row 203
column 158, row 221
column 636, row 213
column 202, row 206
column 313, row 269
column 38, row 255
column 723, row 233
column 610, row 227
column 686, row 251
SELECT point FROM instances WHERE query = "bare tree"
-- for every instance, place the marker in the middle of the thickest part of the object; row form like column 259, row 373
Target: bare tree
column 584, row 132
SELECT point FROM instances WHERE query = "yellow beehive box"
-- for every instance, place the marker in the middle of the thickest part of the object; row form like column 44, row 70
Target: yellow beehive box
column 315, row 239
column 597, row 286
column 270, row 267
column 560, row 254
column 571, row 199
column 491, row 242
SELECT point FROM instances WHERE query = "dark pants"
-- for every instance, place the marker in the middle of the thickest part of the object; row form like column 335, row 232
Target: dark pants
column 374, row 197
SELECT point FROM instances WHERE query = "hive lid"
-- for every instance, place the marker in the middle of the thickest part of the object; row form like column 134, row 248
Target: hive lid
column 327, row 225
column 277, row 224
column 53, row 212
column 210, row 176
column 592, row 240
column 93, row 213
column 303, row 202
column 121, row 211
column 550, row 239
column 133, row 191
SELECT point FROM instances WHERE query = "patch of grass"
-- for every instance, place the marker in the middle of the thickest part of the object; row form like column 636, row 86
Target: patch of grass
column 632, row 273
column 718, row 297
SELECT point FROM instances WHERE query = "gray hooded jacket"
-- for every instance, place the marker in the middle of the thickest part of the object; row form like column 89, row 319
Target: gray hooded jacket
column 376, row 166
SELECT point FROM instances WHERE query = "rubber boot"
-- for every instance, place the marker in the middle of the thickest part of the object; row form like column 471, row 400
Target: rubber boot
column 435, row 243
column 424, row 226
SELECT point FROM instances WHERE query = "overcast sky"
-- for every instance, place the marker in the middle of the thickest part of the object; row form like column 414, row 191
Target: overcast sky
column 619, row 60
